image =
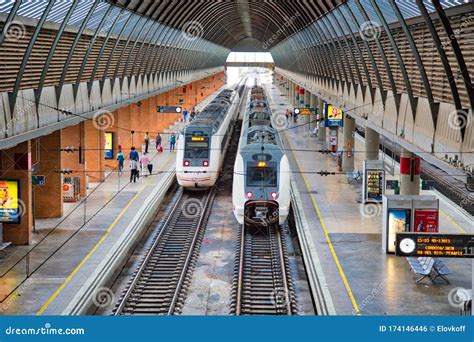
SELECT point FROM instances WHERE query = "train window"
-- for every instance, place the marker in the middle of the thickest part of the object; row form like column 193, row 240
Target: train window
column 196, row 148
column 262, row 176
column 262, row 157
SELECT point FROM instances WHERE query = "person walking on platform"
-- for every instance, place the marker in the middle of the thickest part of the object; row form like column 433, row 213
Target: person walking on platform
column 133, row 170
column 185, row 115
column 192, row 115
column 172, row 142
column 133, row 154
column 146, row 164
column 120, row 159
column 147, row 142
column 158, row 141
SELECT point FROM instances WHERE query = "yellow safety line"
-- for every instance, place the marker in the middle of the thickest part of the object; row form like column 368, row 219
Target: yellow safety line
column 457, row 225
column 92, row 251
column 326, row 234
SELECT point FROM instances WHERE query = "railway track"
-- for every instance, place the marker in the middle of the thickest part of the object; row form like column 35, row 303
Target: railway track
column 159, row 284
column 262, row 284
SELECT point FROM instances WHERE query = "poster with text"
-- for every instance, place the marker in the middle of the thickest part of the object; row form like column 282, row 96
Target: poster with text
column 426, row 220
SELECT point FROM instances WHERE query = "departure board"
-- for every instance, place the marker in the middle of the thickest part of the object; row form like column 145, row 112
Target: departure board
column 435, row 245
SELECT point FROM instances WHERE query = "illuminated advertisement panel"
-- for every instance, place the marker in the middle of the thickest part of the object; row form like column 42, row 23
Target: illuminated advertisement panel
column 333, row 116
column 398, row 222
column 426, row 221
column 109, row 145
column 10, row 208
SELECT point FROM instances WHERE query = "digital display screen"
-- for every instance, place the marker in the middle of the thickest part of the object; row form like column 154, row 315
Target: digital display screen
column 10, row 208
column 435, row 245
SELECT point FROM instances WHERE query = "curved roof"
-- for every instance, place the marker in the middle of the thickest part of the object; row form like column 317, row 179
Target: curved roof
column 226, row 23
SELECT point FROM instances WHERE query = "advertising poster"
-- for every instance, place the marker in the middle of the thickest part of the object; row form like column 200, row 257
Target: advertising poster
column 109, row 145
column 333, row 116
column 398, row 222
column 426, row 221
column 10, row 209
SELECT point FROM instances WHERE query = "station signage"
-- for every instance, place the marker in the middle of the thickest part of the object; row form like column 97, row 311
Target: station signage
column 305, row 111
column 168, row 109
column 333, row 116
column 435, row 245
column 10, row 208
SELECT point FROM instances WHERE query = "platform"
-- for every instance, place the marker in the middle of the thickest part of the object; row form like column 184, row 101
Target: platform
column 361, row 279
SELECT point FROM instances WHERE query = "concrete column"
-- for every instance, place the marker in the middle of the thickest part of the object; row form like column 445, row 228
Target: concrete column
column 322, row 126
column 307, row 104
column 291, row 93
column 94, row 154
column 372, row 141
column 48, row 198
column 409, row 173
column 313, row 103
column 16, row 165
column 348, row 149
column 74, row 136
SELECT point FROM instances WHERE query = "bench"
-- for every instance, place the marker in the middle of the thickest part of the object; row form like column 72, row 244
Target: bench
column 3, row 247
column 354, row 176
column 423, row 266
column 441, row 270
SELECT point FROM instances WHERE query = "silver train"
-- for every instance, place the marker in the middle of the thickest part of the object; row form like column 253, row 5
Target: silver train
column 203, row 143
column 261, row 184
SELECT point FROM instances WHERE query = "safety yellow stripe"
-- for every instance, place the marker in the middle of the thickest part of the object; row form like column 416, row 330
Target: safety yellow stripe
column 92, row 251
column 326, row 234
column 454, row 223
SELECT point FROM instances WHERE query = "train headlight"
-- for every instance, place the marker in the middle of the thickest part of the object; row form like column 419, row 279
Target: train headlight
column 205, row 163
column 186, row 163
column 274, row 195
column 249, row 194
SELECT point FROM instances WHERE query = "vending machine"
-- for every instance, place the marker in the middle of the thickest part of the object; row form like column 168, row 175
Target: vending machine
column 373, row 186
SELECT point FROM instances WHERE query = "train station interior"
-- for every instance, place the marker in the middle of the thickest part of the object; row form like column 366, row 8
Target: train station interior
column 236, row 157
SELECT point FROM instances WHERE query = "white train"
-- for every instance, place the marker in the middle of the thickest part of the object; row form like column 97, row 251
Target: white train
column 261, row 184
column 203, row 143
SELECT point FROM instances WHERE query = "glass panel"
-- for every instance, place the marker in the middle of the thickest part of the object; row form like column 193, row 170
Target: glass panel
column 250, row 57
column 97, row 16
column 261, row 176
column 32, row 9
column 59, row 11
column 6, row 6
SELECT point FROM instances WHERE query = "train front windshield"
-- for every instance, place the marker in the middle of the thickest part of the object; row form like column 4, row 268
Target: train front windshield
column 262, row 176
column 196, row 148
